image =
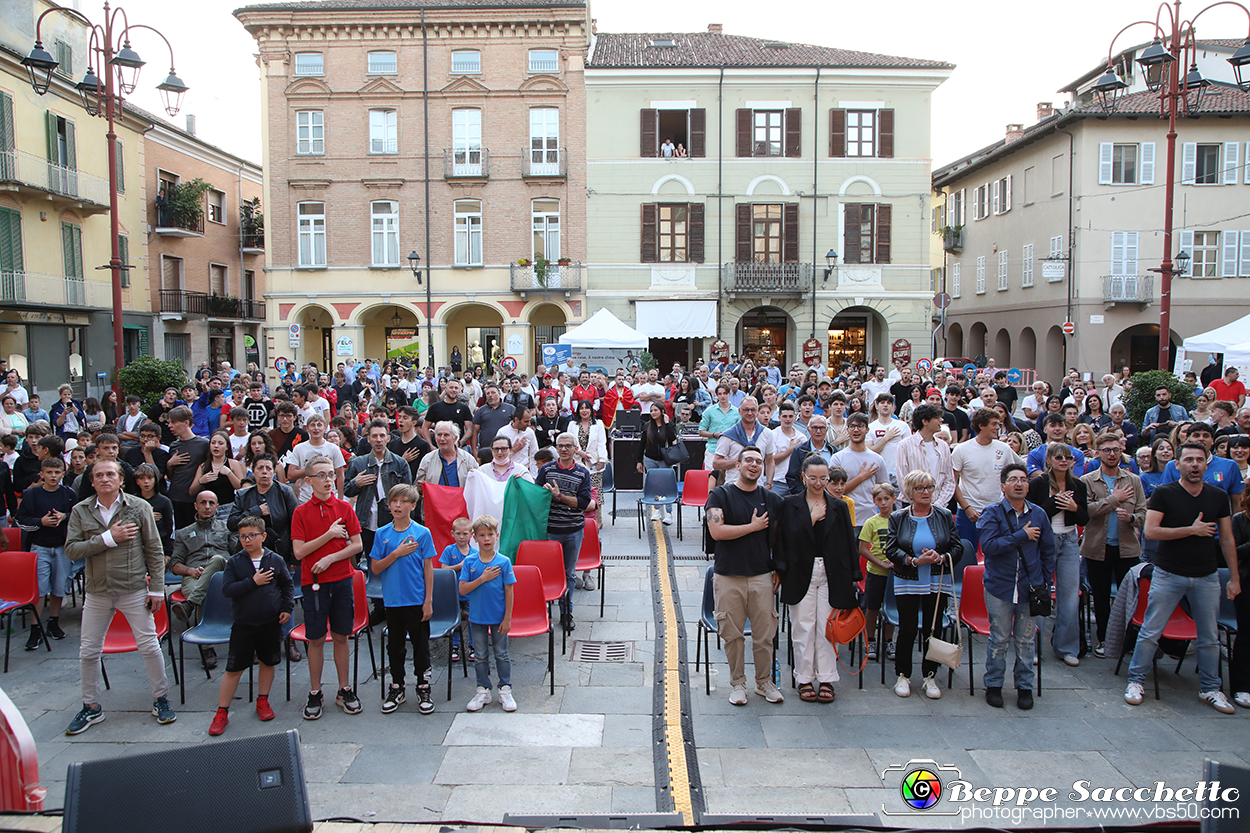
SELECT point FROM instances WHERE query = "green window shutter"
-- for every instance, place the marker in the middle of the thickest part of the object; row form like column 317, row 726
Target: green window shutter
column 71, row 239
column 7, row 140
column 123, row 251
column 121, row 168
column 70, row 151
column 53, row 156
column 10, row 240
column 78, row 264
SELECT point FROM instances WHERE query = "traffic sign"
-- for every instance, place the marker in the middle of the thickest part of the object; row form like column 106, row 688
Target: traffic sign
column 1069, row 328
column 1015, row 376
column 924, row 365
column 941, row 300
column 970, row 370
column 280, row 364
column 508, row 364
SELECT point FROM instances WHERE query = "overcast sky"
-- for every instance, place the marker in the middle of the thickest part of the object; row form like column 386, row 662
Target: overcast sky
column 1007, row 57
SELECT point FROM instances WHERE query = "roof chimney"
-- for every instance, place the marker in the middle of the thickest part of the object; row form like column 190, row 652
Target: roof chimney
column 191, row 123
column 1014, row 132
column 715, row 28
column 1045, row 110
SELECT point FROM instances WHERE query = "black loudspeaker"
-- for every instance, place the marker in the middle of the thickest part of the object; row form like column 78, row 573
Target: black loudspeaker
column 249, row 785
column 1224, row 814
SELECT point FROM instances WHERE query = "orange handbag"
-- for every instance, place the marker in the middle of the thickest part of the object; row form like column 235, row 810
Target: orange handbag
column 843, row 626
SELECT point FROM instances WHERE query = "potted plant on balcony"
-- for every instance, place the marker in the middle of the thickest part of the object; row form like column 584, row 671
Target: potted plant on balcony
column 252, row 224
column 542, row 267
column 186, row 203
column 525, row 261
column 224, row 306
column 952, row 237
column 564, row 261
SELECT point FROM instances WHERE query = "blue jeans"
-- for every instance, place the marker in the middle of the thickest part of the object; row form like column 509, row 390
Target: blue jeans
column 1166, row 592
column 1011, row 627
column 1065, row 639
column 484, row 637
column 967, row 529
column 571, row 542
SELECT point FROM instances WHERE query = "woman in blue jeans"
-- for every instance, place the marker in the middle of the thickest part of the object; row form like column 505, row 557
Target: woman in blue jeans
column 1063, row 496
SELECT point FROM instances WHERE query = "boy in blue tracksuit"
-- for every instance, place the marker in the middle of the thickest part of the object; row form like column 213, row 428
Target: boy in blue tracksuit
column 403, row 555
column 453, row 556
column 487, row 579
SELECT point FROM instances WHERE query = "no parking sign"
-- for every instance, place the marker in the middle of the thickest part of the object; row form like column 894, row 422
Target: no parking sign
column 924, row 365
column 508, row 364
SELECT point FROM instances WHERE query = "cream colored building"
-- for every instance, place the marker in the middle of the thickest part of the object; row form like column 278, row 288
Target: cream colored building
column 792, row 151
column 346, row 148
column 1063, row 220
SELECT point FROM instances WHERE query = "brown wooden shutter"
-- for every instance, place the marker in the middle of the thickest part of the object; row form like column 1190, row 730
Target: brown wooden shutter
column 794, row 132
column 742, row 235
column 650, row 233
column 744, row 132
column 648, row 144
column 850, row 241
column 695, row 242
column 790, row 233
column 883, row 233
column 837, row 132
column 698, row 132
column 885, row 135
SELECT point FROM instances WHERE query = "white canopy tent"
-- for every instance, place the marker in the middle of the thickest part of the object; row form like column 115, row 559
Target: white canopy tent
column 605, row 330
column 1233, row 340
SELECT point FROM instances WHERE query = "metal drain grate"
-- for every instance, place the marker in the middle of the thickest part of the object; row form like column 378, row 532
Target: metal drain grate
column 588, row 651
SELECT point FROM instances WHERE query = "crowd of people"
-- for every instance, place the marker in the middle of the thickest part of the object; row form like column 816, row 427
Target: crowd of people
column 829, row 490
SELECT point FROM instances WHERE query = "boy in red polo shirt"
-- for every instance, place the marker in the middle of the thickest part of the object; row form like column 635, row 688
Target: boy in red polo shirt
column 325, row 534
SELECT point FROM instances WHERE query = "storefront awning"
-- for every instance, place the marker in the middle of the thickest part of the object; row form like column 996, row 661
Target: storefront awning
column 677, row 319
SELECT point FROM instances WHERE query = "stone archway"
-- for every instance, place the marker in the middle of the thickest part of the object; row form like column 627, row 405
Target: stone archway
column 474, row 322
column 394, row 331
column 316, row 336
column 858, row 335
column 976, row 340
column 1002, row 349
column 1051, row 361
column 547, row 323
column 954, row 340
column 1138, row 347
column 1026, row 350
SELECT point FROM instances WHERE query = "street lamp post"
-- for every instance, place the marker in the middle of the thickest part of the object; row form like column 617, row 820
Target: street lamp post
column 109, row 44
column 414, row 261
column 1162, row 64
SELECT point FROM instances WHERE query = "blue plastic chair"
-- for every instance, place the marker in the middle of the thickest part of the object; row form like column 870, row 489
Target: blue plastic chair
column 659, row 488
column 707, row 625
column 609, row 485
column 444, row 621
column 213, row 629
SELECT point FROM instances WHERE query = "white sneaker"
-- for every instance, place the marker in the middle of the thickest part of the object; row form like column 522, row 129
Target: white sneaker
column 668, row 518
column 1242, row 698
column 588, row 582
column 505, row 698
column 770, row 692
column 903, row 687
column 1071, row 660
column 655, row 513
column 931, row 689
column 738, row 695
column 1218, row 701
column 1133, row 694
column 577, row 583
column 482, row 698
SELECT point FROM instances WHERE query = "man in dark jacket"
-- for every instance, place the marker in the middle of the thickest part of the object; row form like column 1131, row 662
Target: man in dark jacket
column 819, row 443
column 26, row 467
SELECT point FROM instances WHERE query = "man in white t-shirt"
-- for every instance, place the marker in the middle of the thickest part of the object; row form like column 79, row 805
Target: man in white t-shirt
column 318, row 402
column 977, row 465
column 524, row 441
column 1035, row 402
column 885, row 433
column 649, row 390
column 316, row 446
column 864, row 467
column 876, row 386
column 747, row 432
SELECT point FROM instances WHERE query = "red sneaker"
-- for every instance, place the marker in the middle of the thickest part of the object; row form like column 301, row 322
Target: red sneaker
column 219, row 722
column 263, row 710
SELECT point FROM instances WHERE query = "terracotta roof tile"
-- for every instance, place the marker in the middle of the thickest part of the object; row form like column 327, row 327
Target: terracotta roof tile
column 712, row 49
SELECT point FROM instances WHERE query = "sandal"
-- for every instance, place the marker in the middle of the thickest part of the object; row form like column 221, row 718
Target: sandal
column 807, row 693
column 826, row 694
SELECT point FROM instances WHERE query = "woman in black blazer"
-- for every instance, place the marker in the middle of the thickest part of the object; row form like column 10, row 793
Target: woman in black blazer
column 813, row 522
column 1061, row 493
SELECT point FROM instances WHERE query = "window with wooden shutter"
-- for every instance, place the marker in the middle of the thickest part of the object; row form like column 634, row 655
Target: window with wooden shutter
column 8, row 141
column 790, row 230
column 1106, row 155
column 121, row 168
column 743, row 120
column 1228, row 257
column 885, row 137
column 1189, row 162
column 850, row 233
column 648, row 143
column 698, row 132
column 742, row 230
column 1230, row 162
column 123, row 254
column 650, row 235
column 794, row 132
column 884, row 217
column 1244, row 271
column 674, row 232
column 837, row 132
column 696, row 232
column 11, row 242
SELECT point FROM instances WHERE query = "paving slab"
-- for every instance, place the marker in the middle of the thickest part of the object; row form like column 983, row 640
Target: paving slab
column 488, row 804
column 629, row 767
column 526, row 730
column 623, row 730
column 793, row 731
column 1033, row 768
column 395, row 764
column 547, row 765
column 776, row 800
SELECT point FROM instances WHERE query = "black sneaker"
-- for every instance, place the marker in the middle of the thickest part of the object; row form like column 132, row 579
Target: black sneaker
column 994, row 696
column 394, row 699
column 208, row 658
column 425, row 702
column 83, row 720
column 312, row 711
column 162, row 711
column 35, row 639
column 1024, row 699
column 54, row 629
column 347, row 700
column 181, row 611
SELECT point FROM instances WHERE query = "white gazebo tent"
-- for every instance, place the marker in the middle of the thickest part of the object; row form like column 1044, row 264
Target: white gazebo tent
column 1233, row 340
column 603, row 330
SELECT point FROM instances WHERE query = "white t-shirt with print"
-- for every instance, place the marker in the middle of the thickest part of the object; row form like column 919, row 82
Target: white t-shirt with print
column 979, row 467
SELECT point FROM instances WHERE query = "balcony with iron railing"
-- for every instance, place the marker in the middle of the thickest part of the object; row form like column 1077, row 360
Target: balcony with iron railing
column 26, row 171
column 190, row 302
column 168, row 226
column 552, row 162
column 253, row 241
column 184, row 302
column 28, row 289
column 1128, row 289
column 564, row 279
column 770, row 278
column 469, row 163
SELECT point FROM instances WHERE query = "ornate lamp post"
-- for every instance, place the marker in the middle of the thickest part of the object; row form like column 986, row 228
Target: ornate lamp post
column 1174, row 47
column 108, row 48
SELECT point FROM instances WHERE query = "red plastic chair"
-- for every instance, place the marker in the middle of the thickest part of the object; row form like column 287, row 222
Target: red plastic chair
column 548, row 557
column 13, row 537
column 360, row 624
column 863, row 572
column 694, row 492
column 19, row 764
column 19, row 590
column 1179, row 627
column 591, row 557
column 529, row 614
column 972, row 612
column 119, row 639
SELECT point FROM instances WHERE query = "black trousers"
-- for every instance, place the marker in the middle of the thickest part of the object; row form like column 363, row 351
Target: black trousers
column 1101, row 574
column 404, row 623
column 910, row 608
column 1239, row 662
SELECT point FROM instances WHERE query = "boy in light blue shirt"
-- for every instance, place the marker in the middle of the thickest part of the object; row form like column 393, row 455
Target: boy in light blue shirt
column 487, row 579
column 33, row 412
column 453, row 556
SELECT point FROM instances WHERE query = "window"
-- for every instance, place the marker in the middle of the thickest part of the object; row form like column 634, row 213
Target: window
column 64, row 55
column 466, row 62
column 545, row 216
column 1002, row 271
column 1206, row 254
column 383, row 131
column 861, row 132
column 544, row 60
column 955, row 281
column 980, row 202
column 1027, row 278
column 766, row 233
column 673, row 228
column 767, row 132
column 121, row 167
column 466, row 142
column 1123, row 253
column 63, row 154
column 667, row 133
column 309, row 63
column 1056, row 253
column 981, row 275
column 1001, row 195
column 1058, row 175
column 249, row 284
column 218, row 279
column 172, row 274
column 866, row 233
column 123, row 254
column 312, row 234
column 1208, row 164
column 216, row 206
column 673, row 232
column 382, row 63
column 468, row 233
column 71, row 245
column 955, row 214
column 1124, row 164
column 544, row 141
column 773, row 131
column 385, row 232
column 1030, row 185
column 310, row 133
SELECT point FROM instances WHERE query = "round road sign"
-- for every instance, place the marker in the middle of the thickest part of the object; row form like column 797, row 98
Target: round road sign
column 924, row 365
column 508, row 364
column 1069, row 328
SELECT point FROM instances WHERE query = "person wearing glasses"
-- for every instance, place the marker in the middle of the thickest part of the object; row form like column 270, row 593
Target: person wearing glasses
column 817, row 444
column 502, row 465
column 569, row 484
column 1064, row 498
